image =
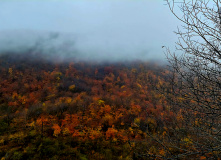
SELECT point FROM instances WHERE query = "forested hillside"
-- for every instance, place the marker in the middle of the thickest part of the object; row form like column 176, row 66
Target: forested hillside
column 82, row 110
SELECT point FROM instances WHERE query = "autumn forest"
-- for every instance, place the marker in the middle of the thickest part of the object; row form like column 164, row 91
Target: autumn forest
column 82, row 110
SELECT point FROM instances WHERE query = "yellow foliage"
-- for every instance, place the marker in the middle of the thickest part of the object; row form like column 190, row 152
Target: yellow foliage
column 130, row 129
column 138, row 85
column 72, row 87
column 68, row 100
column 23, row 101
column 133, row 144
column 94, row 134
column 151, row 120
column 180, row 99
column 114, row 139
column 197, row 122
column 66, row 132
column 137, row 121
column 14, row 95
column 2, row 141
column 164, row 133
column 162, row 152
column 140, row 132
column 50, row 96
column 133, row 70
column 100, row 102
column 18, row 135
column 55, row 73
column 10, row 71
column 109, row 118
column 31, row 124
column 122, row 87
column 187, row 141
column 32, row 133
column 180, row 117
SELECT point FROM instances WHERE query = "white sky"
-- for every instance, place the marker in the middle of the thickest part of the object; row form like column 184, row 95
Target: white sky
column 117, row 29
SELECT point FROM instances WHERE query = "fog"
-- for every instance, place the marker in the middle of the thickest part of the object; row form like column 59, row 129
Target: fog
column 96, row 30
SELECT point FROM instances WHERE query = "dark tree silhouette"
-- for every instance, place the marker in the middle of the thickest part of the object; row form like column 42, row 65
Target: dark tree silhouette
column 196, row 79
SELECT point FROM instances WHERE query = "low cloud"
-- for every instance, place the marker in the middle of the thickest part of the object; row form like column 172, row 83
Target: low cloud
column 65, row 47
column 85, row 30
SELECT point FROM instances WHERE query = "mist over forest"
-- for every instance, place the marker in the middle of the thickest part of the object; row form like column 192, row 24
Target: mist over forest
column 69, row 46
column 85, row 30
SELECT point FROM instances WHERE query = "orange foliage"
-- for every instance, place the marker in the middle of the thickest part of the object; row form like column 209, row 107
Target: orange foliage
column 111, row 133
column 90, row 102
